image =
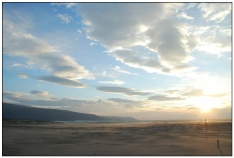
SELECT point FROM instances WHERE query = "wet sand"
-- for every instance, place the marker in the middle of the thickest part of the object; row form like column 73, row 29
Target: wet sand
column 121, row 139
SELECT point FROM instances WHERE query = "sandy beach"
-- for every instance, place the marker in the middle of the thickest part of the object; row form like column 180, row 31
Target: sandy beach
column 121, row 139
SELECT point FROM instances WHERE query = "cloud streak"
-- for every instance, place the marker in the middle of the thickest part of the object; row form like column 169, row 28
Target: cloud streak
column 215, row 11
column 118, row 82
column 22, row 75
column 68, row 5
column 62, row 81
column 118, row 69
column 194, row 92
column 65, row 18
column 122, row 90
column 165, row 98
column 39, row 54
column 185, row 16
column 42, row 93
column 121, row 100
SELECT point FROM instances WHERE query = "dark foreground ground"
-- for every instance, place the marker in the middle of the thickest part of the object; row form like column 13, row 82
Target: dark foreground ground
column 117, row 139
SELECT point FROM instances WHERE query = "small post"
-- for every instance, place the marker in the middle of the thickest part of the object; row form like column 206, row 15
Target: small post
column 217, row 143
column 205, row 123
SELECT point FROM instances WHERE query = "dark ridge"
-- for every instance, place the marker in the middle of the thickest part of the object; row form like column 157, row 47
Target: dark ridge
column 21, row 112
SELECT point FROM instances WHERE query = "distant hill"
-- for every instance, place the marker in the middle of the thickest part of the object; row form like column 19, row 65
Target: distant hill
column 20, row 112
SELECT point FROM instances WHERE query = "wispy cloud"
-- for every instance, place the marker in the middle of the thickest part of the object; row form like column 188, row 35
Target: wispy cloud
column 65, row 18
column 93, row 44
column 121, row 100
column 208, row 39
column 62, row 81
column 194, row 92
column 185, row 16
column 42, row 93
column 191, row 5
column 200, row 92
column 122, row 90
column 151, row 65
column 20, row 43
column 118, row 69
column 118, row 82
column 22, row 75
column 128, row 103
column 215, row 11
column 17, row 65
column 165, row 98
column 68, row 5
column 29, row 98
column 190, row 92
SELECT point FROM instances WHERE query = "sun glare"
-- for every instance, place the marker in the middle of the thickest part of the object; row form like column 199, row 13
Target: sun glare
column 205, row 104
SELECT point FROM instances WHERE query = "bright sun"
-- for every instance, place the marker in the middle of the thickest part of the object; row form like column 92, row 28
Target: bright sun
column 205, row 104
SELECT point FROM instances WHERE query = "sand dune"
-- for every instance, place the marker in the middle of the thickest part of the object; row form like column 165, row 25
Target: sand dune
column 139, row 138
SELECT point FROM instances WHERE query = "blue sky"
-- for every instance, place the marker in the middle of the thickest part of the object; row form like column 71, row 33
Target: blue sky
column 144, row 60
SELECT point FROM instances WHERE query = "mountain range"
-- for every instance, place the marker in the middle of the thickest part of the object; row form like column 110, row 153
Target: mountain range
column 21, row 112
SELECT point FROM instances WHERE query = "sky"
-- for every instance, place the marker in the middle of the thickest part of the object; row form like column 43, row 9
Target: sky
column 150, row 61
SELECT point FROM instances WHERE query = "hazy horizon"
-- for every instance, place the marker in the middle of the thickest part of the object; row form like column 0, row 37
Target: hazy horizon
column 149, row 61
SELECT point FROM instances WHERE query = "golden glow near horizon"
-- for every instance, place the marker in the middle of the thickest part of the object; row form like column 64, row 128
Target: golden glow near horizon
column 204, row 103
